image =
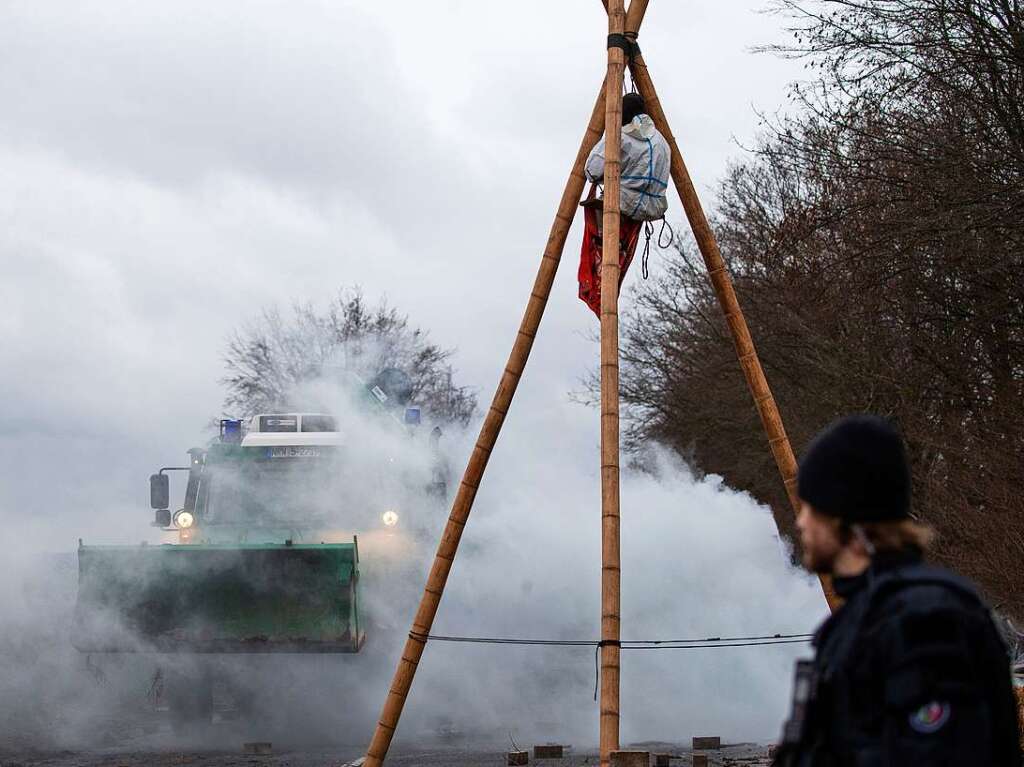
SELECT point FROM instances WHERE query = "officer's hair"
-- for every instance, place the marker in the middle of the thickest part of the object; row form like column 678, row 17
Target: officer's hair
column 893, row 535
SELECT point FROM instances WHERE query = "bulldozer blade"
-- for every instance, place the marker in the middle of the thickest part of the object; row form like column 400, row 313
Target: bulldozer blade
column 199, row 598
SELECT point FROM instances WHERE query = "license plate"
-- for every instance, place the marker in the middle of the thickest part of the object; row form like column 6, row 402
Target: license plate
column 294, row 451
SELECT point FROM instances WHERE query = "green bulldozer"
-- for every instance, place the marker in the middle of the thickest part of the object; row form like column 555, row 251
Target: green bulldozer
column 216, row 590
column 264, row 556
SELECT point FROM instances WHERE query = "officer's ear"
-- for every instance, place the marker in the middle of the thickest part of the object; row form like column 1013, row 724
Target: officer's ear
column 861, row 542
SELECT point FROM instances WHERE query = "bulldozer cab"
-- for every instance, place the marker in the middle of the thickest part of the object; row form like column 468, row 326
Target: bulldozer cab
column 264, row 558
column 280, row 483
column 292, row 476
column 253, row 490
column 244, row 575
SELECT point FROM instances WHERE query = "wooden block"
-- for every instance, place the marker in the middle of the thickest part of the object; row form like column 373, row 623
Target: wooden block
column 662, row 760
column 549, row 751
column 631, row 759
column 257, row 748
column 700, row 760
column 706, row 743
column 516, row 758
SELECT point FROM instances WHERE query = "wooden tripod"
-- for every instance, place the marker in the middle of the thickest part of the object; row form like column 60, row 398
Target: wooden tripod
column 607, row 113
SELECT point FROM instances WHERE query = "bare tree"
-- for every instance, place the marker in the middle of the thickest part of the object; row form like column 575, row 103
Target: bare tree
column 270, row 356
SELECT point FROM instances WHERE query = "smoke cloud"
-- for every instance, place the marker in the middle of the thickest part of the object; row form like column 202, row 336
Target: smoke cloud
column 170, row 171
column 699, row 560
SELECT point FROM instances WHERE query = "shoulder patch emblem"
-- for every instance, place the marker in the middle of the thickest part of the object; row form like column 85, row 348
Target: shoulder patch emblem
column 931, row 717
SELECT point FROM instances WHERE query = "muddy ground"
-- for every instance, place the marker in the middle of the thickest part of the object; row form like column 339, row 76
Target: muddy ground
column 428, row 755
column 436, row 755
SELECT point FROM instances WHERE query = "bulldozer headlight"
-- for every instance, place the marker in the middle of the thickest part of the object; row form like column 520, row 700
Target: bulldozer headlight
column 184, row 519
column 390, row 518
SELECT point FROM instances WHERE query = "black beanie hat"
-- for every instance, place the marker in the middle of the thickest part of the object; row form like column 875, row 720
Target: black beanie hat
column 857, row 470
column 632, row 105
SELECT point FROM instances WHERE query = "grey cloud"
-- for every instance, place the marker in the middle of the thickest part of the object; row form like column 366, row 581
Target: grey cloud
column 176, row 92
column 168, row 169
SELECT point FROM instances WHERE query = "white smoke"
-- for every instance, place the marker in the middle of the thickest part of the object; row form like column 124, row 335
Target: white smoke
column 698, row 560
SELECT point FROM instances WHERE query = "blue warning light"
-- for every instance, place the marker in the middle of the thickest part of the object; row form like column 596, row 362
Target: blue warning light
column 230, row 431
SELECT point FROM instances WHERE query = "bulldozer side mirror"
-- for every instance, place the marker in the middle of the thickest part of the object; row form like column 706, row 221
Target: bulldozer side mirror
column 159, row 491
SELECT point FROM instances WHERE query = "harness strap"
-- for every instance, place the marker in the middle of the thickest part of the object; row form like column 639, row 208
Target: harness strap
column 921, row 575
column 648, row 231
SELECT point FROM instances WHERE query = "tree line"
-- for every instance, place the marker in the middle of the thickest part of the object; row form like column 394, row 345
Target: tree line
column 875, row 236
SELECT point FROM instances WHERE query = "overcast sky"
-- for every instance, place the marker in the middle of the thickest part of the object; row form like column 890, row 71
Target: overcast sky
column 167, row 169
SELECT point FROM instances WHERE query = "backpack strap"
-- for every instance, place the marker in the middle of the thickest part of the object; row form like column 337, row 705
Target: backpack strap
column 893, row 581
column 887, row 584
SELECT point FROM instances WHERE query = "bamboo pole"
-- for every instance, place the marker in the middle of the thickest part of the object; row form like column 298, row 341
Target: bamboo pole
column 634, row 16
column 489, row 431
column 767, row 408
column 610, row 273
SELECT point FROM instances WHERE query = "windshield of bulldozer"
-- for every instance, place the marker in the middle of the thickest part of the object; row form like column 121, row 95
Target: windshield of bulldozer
column 267, row 486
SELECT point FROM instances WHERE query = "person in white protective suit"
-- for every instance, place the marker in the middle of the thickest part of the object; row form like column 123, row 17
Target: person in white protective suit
column 644, row 172
column 644, row 158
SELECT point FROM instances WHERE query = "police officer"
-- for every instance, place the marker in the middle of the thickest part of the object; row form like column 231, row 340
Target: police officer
column 910, row 670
